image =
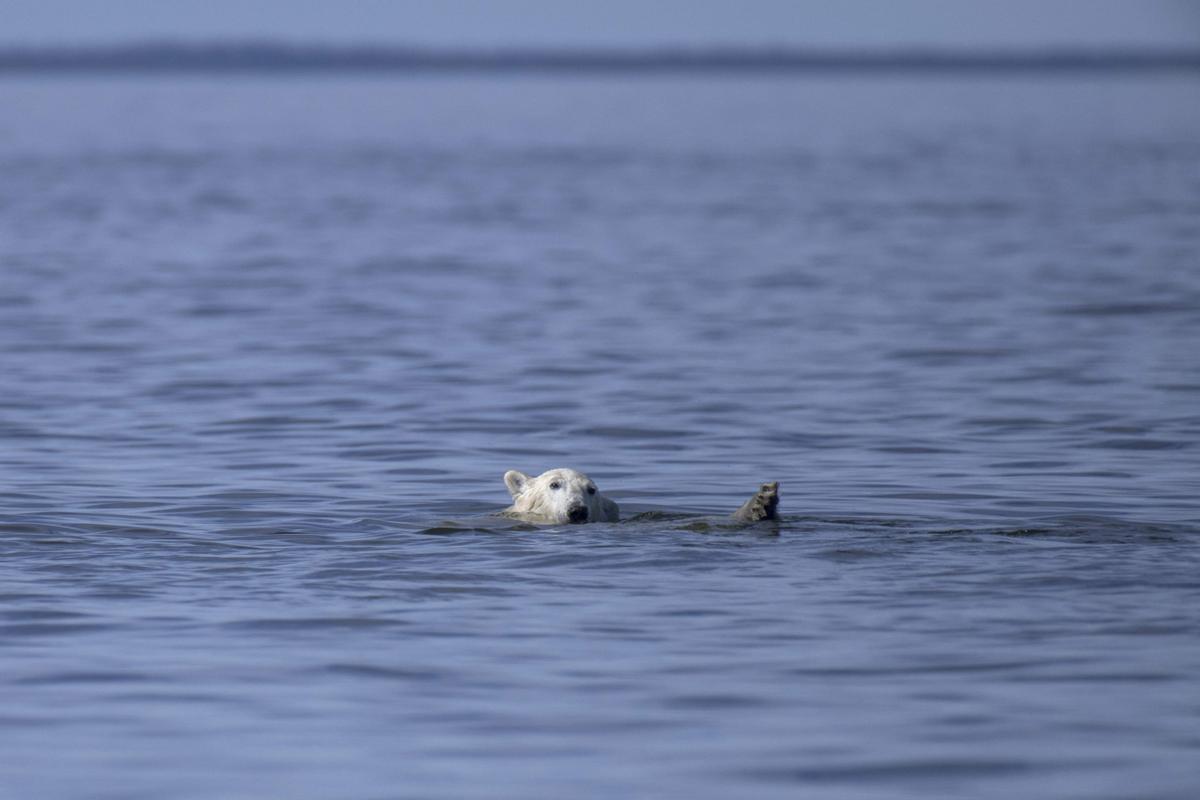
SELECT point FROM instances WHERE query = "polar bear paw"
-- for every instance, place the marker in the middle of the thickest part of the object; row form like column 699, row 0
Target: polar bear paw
column 761, row 506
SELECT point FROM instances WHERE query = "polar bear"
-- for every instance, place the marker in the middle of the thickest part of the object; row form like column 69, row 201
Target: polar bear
column 563, row 495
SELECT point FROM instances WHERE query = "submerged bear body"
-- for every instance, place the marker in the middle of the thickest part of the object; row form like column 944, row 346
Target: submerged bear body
column 562, row 496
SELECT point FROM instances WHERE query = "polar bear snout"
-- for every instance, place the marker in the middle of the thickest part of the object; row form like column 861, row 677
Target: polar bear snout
column 577, row 514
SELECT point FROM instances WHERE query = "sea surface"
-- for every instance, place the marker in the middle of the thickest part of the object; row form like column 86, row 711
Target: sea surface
column 268, row 344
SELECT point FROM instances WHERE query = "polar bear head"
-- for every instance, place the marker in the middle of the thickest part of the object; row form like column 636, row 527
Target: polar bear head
column 559, row 496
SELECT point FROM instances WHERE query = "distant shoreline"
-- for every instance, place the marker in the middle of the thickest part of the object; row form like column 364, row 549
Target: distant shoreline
column 272, row 57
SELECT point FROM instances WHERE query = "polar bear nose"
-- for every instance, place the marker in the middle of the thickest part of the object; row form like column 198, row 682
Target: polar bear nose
column 577, row 513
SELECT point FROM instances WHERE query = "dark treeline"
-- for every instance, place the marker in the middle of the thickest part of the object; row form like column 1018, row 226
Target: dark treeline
column 281, row 57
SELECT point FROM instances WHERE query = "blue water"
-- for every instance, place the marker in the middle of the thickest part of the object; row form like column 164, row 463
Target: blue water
column 268, row 345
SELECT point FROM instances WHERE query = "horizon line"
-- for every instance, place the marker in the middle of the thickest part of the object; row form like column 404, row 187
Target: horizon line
column 264, row 55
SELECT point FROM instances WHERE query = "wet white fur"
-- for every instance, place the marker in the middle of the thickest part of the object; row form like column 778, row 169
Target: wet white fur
column 535, row 500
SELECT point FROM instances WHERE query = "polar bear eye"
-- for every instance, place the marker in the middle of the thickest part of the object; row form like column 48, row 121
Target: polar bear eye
column 591, row 490
column 555, row 485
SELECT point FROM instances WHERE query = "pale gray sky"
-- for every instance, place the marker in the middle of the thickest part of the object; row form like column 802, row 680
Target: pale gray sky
column 613, row 22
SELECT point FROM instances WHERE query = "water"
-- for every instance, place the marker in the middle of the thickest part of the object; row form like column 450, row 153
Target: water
column 268, row 346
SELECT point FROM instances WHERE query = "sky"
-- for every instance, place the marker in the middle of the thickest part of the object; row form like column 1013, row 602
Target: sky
column 629, row 23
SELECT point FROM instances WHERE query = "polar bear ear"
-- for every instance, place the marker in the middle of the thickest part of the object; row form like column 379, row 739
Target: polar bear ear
column 515, row 481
